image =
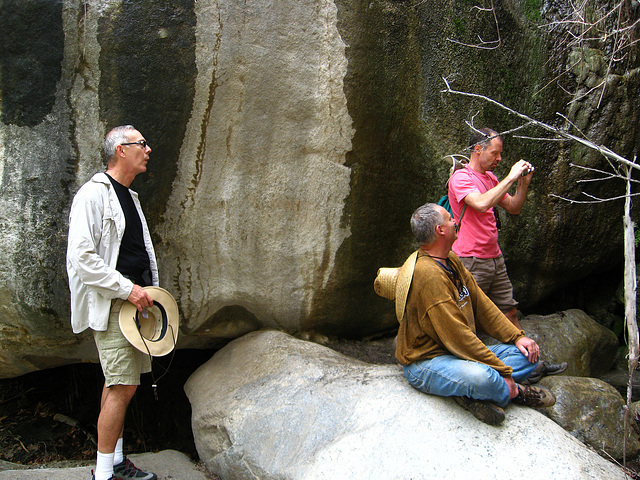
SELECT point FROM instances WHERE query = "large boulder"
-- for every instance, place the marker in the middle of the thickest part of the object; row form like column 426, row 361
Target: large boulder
column 270, row 406
column 574, row 337
column 593, row 412
column 291, row 142
column 257, row 204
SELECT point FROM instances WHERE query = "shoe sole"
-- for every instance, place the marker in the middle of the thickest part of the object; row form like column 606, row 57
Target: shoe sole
column 556, row 372
column 482, row 410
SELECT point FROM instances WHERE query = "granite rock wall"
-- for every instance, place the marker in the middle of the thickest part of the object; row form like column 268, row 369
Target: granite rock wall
column 291, row 142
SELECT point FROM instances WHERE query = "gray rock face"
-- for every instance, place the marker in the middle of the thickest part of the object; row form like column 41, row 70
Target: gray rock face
column 261, row 182
column 291, row 142
column 270, row 406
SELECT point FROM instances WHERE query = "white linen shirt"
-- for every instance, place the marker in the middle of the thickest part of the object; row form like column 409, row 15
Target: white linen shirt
column 96, row 228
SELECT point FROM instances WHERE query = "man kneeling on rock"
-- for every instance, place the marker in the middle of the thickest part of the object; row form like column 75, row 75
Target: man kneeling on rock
column 437, row 342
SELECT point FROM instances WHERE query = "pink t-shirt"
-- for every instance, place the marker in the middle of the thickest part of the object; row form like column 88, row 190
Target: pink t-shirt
column 478, row 234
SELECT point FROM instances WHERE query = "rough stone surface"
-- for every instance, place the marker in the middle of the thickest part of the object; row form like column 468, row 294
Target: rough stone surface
column 274, row 407
column 619, row 379
column 291, row 142
column 573, row 336
column 261, row 181
column 593, row 412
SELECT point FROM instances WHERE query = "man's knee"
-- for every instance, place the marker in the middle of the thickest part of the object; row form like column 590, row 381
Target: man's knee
column 121, row 393
column 124, row 390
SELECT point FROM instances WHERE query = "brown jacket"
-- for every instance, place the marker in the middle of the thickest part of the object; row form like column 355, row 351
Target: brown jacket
column 442, row 316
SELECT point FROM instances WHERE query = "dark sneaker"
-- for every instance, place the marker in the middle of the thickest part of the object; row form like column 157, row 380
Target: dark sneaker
column 545, row 368
column 93, row 477
column 482, row 409
column 126, row 470
column 534, row 396
column 554, row 368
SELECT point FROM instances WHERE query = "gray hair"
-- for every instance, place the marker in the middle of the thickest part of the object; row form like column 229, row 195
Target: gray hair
column 115, row 137
column 424, row 222
column 482, row 137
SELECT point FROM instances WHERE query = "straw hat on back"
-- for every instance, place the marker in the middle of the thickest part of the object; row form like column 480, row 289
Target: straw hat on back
column 394, row 283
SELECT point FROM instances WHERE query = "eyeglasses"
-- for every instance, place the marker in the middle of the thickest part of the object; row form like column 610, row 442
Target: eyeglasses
column 142, row 143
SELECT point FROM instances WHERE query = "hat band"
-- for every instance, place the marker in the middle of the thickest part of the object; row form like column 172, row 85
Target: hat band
column 165, row 322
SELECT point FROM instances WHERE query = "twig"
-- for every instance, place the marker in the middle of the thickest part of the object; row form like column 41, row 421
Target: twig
column 597, row 200
column 5, row 400
column 596, row 170
column 19, row 441
column 456, row 157
column 633, row 475
column 484, row 45
column 540, row 139
column 489, row 138
column 578, row 98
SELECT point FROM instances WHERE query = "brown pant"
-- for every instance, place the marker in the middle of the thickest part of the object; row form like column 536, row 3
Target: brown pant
column 491, row 276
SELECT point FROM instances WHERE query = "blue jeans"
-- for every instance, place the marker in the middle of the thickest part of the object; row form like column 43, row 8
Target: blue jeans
column 448, row 375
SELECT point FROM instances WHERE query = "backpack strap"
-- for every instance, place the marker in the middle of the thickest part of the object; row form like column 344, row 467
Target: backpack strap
column 464, row 206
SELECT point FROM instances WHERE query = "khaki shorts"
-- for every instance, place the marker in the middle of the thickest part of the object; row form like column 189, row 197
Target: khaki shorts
column 121, row 362
column 491, row 276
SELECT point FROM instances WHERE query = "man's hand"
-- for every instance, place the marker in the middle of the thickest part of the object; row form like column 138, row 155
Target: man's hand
column 513, row 387
column 140, row 298
column 519, row 171
column 513, row 205
column 529, row 349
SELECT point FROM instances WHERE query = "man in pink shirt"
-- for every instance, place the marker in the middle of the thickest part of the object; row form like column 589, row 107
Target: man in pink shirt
column 476, row 186
column 477, row 245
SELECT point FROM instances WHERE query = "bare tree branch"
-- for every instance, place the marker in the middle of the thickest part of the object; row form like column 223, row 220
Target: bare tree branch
column 607, row 174
column 610, row 29
column 630, row 297
column 596, row 200
column 562, row 133
column 540, row 139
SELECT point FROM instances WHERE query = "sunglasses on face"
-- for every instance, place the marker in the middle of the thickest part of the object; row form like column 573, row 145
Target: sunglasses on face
column 142, row 143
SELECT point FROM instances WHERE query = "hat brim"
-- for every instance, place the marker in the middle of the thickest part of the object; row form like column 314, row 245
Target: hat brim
column 405, row 275
column 386, row 281
column 157, row 333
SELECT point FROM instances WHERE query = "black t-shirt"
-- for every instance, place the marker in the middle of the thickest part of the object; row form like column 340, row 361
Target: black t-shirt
column 133, row 259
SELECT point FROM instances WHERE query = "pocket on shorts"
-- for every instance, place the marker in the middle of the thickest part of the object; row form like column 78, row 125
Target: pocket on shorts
column 468, row 262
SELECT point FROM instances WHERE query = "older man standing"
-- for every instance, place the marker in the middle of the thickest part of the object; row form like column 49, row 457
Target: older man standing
column 437, row 342
column 110, row 258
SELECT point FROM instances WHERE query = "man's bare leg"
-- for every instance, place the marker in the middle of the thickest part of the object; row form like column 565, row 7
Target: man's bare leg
column 113, row 410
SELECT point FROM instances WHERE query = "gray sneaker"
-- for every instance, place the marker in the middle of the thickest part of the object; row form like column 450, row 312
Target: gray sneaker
column 544, row 369
column 126, row 470
column 483, row 410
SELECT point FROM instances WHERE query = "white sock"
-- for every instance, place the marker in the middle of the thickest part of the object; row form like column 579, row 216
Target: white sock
column 104, row 466
column 118, row 455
